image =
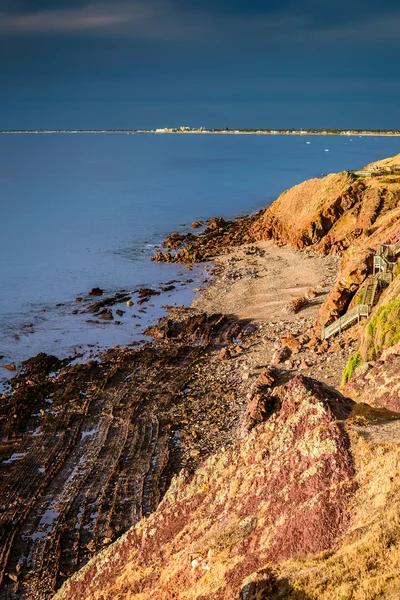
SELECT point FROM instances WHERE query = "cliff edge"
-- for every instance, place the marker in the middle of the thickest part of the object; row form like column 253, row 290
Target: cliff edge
column 307, row 505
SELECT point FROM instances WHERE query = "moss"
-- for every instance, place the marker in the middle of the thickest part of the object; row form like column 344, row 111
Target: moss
column 383, row 330
column 354, row 361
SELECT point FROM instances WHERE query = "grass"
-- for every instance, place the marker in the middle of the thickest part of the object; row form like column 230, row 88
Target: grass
column 354, row 361
column 383, row 330
column 366, row 563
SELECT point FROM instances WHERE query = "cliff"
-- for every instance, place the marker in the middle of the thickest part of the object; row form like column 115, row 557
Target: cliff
column 307, row 505
column 342, row 214
column 214, row 462
column 291, row 489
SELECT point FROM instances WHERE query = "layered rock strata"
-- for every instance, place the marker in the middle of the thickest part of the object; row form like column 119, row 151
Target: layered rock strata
column 88, row 450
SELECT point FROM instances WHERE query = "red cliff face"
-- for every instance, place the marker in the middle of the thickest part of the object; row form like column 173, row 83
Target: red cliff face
column 340, row 214
column 284, row 491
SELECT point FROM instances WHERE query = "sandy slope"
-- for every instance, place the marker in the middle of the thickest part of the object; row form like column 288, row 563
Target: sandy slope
column 258, row 286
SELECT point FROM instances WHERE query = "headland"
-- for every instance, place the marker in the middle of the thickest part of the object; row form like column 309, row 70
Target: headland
column 238, row 454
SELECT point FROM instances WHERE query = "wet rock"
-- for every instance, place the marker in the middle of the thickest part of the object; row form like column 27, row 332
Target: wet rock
column 129, row 303
column 147, row 292
column 142, row 300
column 196, row 224
column 96, row 291
column 162, row 257
column 197, row 326
column 41, row 364
column 107, row 315
column 117, row 298
column 177, row 240
column 120, row 312
column 216, row 223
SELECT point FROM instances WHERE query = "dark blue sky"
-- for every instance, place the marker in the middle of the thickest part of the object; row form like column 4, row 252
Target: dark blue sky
column 235, row 63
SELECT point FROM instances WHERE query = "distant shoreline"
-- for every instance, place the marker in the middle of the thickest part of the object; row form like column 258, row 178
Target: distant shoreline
column 187, row 131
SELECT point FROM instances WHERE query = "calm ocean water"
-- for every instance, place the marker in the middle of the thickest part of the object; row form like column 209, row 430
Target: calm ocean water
column 79, row 211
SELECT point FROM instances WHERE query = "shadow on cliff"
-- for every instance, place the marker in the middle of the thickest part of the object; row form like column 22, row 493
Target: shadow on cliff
column 269, row 587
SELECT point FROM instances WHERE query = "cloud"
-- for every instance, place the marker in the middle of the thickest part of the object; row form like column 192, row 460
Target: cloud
column 103, row 17
column 257, row 22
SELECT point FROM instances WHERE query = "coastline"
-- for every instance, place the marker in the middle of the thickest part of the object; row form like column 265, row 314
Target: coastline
column 90, row 449
column 136, row 132
column 140, row 407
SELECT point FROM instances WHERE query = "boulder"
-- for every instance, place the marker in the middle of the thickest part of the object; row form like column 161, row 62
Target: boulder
column 293, row 306
column 281, row 355
column 290, row 342
column 224, row 354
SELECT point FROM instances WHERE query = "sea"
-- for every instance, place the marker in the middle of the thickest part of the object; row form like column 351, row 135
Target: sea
column 79, row 211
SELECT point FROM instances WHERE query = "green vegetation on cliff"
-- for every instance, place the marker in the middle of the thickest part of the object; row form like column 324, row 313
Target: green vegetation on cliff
column 382, row 331
column 354, row 361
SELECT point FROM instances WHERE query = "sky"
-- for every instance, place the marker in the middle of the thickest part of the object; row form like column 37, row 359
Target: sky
column 212, row 63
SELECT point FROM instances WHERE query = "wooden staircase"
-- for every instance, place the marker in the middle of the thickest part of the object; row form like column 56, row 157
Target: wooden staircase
column 383, row 273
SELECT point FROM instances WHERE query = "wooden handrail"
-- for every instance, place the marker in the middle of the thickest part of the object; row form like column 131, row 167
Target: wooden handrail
column 384, row 273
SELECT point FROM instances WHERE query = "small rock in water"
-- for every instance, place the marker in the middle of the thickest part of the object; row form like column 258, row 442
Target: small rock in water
column 10, row 367
column 96, row 291
column 107, row 316
column 129, row 303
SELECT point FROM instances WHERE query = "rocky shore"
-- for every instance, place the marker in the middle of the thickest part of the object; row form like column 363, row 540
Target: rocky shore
column 219, row 460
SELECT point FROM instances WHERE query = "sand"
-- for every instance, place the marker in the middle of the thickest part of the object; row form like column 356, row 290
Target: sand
column 259, row 285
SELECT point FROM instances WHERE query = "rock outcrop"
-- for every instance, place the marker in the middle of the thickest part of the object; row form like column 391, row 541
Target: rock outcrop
column 284, row 491
column 377, row 383
column 341, row 214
